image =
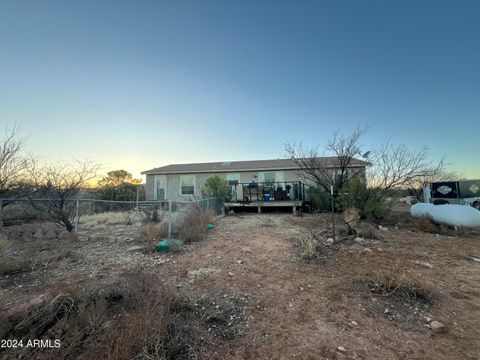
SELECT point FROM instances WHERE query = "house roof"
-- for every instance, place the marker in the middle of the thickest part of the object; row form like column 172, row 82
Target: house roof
column 251, row 165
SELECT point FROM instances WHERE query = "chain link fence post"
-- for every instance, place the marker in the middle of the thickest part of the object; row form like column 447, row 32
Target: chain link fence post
column 333, row 212
column 1, row 213
column 77, row 215
column 169, row 219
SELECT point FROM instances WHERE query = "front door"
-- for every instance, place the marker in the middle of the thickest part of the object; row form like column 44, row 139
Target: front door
column 160, row 187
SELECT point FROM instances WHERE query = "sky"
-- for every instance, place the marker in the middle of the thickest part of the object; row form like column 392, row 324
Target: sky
column 140, row 84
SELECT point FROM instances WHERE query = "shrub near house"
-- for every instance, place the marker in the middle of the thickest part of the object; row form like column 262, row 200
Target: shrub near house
column 217, row 188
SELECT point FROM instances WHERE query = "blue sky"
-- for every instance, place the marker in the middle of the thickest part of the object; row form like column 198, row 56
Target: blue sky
column 139, row 84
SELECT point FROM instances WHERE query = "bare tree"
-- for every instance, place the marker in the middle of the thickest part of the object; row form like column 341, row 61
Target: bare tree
column 393, row 167
column 335, row 165
column 58, row 185
column 437, row 171
column 12, row 162
column 396, row 166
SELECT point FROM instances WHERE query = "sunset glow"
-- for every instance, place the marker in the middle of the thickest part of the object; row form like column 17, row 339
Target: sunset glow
column 139, row 86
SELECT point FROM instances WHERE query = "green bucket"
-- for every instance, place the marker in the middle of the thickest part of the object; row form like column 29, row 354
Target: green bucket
column 164, row 245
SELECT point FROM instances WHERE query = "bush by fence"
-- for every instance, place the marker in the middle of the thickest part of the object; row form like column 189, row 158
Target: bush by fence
column 94, row 212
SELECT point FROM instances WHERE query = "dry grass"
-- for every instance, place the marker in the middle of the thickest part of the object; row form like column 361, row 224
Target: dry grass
column 10, row 266
column 113, row 218
column 5, row 297
column 351, row 218
column 367, row 230
column 115, row 323
column 192, row 229
column 195, row 225
column 32, row 247
column 425, row 224
column 138, row 317
column 308, row 248
column 401, row 280
column 4, row 243
column 152, row 233
column 201, row 273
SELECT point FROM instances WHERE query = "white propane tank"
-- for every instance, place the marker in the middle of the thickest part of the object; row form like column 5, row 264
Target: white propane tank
column 456, row 215
column 420, row 209
column 453, row 215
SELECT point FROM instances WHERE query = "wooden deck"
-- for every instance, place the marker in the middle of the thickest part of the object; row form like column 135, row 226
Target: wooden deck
column 294, row 204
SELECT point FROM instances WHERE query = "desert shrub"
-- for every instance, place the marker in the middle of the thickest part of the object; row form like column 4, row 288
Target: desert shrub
column 320, row 199
column 11, row 266
column 152, row 233
column 311, row 248
column 425, row 224
column 195, row 225
column 138, row 317
column 308, row 248
column 153, row 215
column 16, row 212
column 370, row 203
column 190, row 228
column 367, row 230
column 351, row 217
column 4, row 243
column 400, row 280
column 87, row 322
column 217, row 188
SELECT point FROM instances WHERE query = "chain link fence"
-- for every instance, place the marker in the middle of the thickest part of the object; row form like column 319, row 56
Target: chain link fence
column 95, row 212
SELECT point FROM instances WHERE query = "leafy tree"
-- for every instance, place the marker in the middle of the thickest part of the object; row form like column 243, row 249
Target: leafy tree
column 320, row 198
column 217, row 188
column 118, row 177
column 119, row 185
column 370, row 202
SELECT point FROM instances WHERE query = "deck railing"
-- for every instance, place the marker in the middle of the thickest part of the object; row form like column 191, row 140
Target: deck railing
column 269, row 191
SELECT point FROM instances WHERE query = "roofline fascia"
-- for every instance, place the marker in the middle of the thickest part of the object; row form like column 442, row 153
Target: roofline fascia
column 153, row 172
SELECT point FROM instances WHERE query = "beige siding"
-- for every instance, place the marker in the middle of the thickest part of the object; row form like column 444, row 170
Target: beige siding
column 173, row 182
column 149, row 187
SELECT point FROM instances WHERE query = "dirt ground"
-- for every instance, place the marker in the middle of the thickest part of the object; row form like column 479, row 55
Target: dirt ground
column 329, row 307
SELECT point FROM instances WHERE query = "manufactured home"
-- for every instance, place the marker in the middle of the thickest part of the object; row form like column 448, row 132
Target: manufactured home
column 259, row 183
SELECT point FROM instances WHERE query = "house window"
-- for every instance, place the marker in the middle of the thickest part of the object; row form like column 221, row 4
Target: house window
column 187, row 184
column 233, row 179
column 271, row 177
